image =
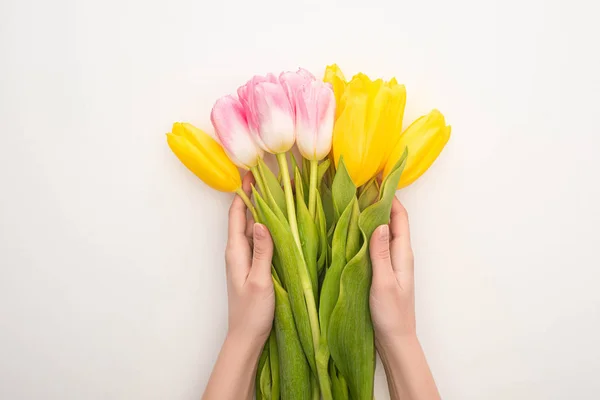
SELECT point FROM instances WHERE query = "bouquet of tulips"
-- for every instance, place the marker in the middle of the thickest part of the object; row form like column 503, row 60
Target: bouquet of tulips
column 321, row 211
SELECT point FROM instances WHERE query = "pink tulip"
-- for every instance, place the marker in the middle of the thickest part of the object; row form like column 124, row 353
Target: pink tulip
column 293, row 81
column 315, row 112
column 269, row 113
column 231, row 126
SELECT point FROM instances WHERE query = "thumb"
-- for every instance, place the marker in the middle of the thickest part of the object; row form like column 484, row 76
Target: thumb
column 262, row 254
column 380, row 255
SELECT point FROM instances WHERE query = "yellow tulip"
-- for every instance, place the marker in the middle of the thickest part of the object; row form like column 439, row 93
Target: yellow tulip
column 368, row 125
column 202, row 155
column 334, row 76
column 425, row 139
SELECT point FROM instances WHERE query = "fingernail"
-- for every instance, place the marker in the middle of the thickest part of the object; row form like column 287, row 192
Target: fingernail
column 384, row 233
column 259, row 231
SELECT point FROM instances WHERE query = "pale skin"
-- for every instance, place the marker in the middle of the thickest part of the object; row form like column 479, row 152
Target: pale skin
column 251, row 303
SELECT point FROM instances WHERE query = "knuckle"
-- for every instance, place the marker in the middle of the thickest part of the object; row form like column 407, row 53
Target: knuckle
column 233, row 208
column 383, row 253
column 257, row 285
column 401, row 213
column 261, row 253
column 384, row 285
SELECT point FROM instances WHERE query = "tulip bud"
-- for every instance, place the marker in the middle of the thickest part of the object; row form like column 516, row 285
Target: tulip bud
column 202, row 155
column 231, row 126
column 425, row 139
column 368, row 126
column 269, row 113
column 315, row 111
column 292, row 82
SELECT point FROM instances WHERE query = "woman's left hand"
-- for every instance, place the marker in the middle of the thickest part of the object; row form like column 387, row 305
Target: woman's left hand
column 248, row 261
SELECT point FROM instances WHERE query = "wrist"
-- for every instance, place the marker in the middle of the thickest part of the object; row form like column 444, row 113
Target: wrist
column 245, row 343
column 393, row 345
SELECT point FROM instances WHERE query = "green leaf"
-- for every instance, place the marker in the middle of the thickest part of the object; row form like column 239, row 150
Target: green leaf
column 328, row 206
column 350, row 330
column 293, row 161
column 369, row 193
column 290, row 260
column 276, row 264
column 354, row 240
column 338, row 384
column 265, row 381
column 275, row 195
column 323, row 168
column 274, row 361
column 342, row 189
column 264, row 358
column 305, row 171
column 299, row 186
column 309, row 237
column 322, row 230
column 294, row 370
column 275, row 275
column 331, row 283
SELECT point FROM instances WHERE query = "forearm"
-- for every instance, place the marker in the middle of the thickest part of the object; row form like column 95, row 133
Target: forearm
column 233, row 375
column 408, row 375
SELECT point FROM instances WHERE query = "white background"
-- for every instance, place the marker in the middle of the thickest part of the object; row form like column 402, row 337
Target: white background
column 111, row 253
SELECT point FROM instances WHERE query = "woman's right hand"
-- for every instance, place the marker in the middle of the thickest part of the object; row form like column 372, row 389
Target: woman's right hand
column 392, row 303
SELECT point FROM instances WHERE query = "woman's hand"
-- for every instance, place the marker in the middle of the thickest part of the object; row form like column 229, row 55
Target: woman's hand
column 248, row 261
column 251, row 304
column 392, row 291
column 392, row 303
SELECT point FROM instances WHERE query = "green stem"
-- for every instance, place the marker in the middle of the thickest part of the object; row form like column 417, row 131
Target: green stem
column 312, row 191
column 289, row 197
column 322, row 363
column 248, row 203
column 259, row 179
column 309, row 296
column 315, row 388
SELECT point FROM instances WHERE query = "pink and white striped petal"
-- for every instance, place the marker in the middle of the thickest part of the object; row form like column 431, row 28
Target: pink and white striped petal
column 231, row 126
column 315, row 112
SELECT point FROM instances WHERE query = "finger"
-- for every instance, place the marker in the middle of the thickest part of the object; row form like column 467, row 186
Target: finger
column 262, row 257
column 247, row 183
column 237, row 219
column 399, row 222
column 237, row 211
column 401, row 250
column 250, row 229
column 380, row 255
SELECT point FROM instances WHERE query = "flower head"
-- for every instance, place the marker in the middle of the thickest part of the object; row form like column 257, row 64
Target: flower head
column 425, row 138
column 269, row 113
column 315, row 112
column 202, row 155
column 231, row 126
column 292, row 82
column 368, row 125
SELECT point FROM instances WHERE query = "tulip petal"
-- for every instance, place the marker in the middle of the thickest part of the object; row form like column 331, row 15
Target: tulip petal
column 315, row 109
column 202, row 155
column 348, row 137
column 366, row 130
column 425, row 138
column 271, row 109
column 231, row 126
column 292, row 82
column 335, row 77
